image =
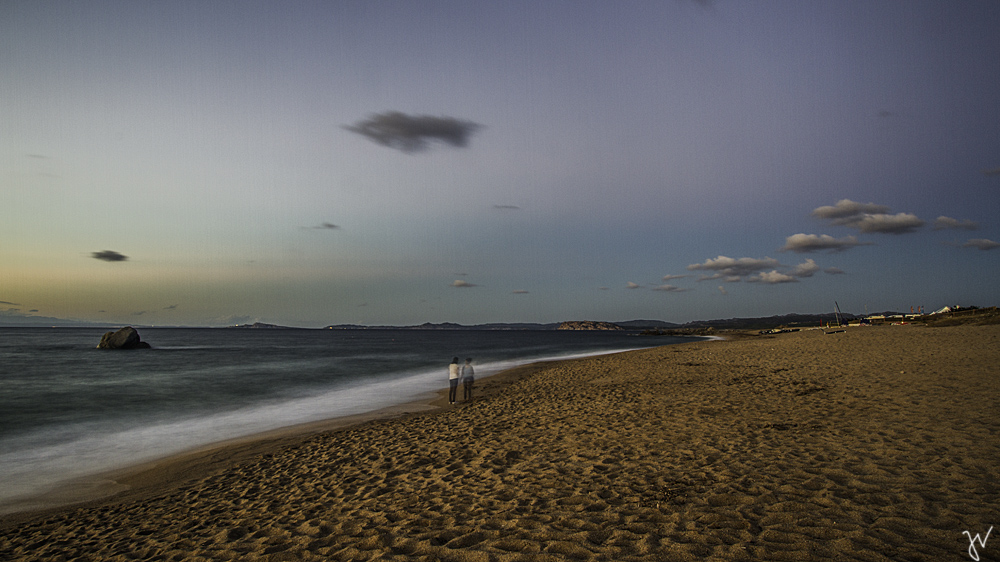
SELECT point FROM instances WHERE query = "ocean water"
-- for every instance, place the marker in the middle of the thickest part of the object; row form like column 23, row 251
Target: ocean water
column 68, row 410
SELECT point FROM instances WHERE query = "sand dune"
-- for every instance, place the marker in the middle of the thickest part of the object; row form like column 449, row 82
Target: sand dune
column 873, row 444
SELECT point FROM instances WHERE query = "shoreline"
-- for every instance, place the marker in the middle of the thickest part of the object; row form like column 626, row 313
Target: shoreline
column 879, row 443
column 139, row 481
column 108, row 484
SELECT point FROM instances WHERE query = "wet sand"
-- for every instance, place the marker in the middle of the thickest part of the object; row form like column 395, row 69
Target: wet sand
column 877, row 443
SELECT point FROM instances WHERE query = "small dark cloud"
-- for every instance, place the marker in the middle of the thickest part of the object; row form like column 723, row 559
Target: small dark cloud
column 833, row 271
column 171, row 307
column 414, row 133
column 669, row 289
column 9, row 303
column 507, row 207
column 942, row 223
column 993, row 172
column 108, row 255
column 520, row 292
column 981, row 244
column 732, row 270
column 139, row 313
column 33, row 310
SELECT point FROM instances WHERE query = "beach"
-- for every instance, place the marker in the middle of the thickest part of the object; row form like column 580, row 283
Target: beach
column 875, row 443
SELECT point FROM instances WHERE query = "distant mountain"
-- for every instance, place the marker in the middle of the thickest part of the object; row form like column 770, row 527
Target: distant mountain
column 261, row 326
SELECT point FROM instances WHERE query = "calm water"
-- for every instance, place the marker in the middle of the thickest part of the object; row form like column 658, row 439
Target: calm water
column 68, row 409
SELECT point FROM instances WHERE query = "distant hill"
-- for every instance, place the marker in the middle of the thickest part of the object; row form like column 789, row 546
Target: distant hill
column 766, row 322
column 589, row 325
column 261, row 326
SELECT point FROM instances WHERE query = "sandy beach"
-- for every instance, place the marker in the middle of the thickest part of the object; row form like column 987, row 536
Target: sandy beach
column 877, row 443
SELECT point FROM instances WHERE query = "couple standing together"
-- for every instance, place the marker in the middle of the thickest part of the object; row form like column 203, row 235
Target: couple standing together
column 466, row 374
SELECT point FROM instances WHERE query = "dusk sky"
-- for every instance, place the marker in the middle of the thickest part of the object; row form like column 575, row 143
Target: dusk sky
column 315, row 163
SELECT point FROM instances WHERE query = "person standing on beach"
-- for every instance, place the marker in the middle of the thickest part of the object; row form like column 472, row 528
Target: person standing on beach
column 468, row 377
column 452, row 380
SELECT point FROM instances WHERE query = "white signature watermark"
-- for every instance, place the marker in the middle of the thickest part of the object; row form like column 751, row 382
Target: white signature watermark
column 973, row 553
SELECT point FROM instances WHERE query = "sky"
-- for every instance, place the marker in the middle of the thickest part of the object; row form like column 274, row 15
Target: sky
column 312, row 163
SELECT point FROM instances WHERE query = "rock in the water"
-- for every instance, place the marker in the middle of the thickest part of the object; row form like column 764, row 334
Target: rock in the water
column 126, row 338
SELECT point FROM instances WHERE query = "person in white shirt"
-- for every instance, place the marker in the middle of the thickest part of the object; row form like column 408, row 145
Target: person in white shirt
column 452, row 380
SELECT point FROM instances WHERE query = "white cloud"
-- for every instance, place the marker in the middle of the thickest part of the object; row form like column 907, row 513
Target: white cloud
column 981, row 244
column 772, row 278
column 672, row 277
column 868, row 217
column 669, row 289
column 461, row 284
column 846, row 208
column 805, row 269
column 631, row 285
column 943, row 222
column 900, row 223
column 723, row 290
column 805, row 243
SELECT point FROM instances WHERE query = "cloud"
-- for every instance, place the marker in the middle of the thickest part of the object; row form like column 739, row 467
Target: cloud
column 669, row 289
column 171, row 307
column 723, row 290
column 806, row 243
column 507, row 207
column 520, row 292
column 772, row 278
column 413, row 133
column 461, row 284
column 900, row 223
column 732, row 269
column 326, row 226
column 108, row 255
column 846, row 208
column 805, row 269
column 942, row 223
column 10, row 303
column 868, row 217
column 981, row 244
column 993, row 172
column 631, row 285
column 672, row 277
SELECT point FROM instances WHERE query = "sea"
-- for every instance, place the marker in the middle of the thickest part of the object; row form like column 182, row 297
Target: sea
column 69, row 410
